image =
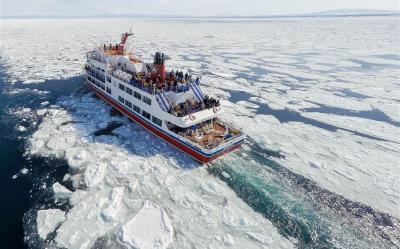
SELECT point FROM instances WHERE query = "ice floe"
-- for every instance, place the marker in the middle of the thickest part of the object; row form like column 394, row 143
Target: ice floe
column 95, row 173
column 149, row 228
column 48, row 220
column 60, row 192
column 21, row 128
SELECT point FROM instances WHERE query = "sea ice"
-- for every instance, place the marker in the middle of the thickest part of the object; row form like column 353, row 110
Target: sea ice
column 95, row 173
column 271, row 70
column 60, row 192
column 48, row 220
column 21, row 128
column 152, row 171
column 149, row 228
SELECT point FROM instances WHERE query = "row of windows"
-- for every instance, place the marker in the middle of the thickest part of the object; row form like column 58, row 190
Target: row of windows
column 135, row 94
column 98, row 84
column 145, row 114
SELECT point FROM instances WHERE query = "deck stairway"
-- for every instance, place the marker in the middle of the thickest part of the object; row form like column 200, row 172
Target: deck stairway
column 163, row 101
column 197, row 91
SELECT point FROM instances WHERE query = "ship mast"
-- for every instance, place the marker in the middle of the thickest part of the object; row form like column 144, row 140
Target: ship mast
column 124, row 37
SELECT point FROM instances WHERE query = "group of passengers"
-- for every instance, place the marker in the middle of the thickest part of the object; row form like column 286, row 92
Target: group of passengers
column 204, row 133
column 186, row 108
column 178, row 76
column 110, row 47
column 175, row 81
column 210, row 102
column 189, row 107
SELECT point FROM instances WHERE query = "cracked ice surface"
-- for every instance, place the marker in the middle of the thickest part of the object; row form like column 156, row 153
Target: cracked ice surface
column 48, row 220
column 287, row 65
column 356, row 167
column 141, row 184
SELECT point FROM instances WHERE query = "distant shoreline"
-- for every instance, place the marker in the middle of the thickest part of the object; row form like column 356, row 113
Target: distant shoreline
column 202, row 17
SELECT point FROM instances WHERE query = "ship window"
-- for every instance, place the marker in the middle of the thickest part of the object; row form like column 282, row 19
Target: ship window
column 136, row 109
column 120, row 99
column 108, row 90
column 128, row 90
column 108, row 78
column 102, row 87
column 137, row 95
column 146, row 100
column 146, row 115
column 122, row 87
column 156, row 121
column 128, row 104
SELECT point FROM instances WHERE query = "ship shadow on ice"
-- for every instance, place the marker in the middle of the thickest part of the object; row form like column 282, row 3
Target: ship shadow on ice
column 127, row 134
column 60, row 88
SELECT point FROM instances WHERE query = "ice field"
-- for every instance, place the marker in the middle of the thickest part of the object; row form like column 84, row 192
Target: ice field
column 318, row 97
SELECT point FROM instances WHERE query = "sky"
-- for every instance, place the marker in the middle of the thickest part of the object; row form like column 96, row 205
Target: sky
column 54, row 8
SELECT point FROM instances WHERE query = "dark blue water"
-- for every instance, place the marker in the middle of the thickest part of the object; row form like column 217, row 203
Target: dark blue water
column 29, row 191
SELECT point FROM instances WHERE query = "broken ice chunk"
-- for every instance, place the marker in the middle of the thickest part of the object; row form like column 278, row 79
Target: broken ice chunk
column 48, row 221
column 149, row 228
column 95, row 173
column 21, row 128
column 60, row 192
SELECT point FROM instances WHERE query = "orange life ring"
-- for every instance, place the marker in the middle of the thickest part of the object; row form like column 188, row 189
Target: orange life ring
column 191, row 117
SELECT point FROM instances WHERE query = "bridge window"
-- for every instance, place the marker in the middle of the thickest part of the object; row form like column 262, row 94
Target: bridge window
column 122, row 87
column 156, row 121
column 128, row 90
column 146, row 115
column 146, row 100
column 137, row 95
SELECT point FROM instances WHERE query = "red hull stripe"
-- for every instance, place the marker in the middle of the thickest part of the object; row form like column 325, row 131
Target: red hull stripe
column 178, row 144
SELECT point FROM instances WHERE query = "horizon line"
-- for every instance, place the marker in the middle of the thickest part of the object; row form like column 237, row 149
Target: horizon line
column 325, row 13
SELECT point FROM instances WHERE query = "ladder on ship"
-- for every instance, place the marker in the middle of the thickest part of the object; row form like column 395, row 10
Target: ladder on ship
column 197, row 91
column 163, row 101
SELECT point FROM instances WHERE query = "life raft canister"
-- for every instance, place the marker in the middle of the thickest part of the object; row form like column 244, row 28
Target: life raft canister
column 191, row 117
